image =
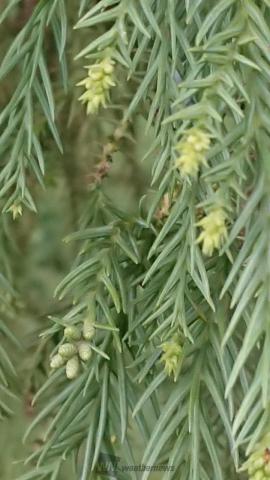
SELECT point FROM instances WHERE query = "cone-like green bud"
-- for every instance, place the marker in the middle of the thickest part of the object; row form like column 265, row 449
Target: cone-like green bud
column 72, row 333
column 88, row 329
column 67, row 350
column 85, row 351
column 72, row 368
column 57, row 361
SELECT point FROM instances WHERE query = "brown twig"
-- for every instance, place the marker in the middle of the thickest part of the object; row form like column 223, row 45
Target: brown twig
column 103, row 167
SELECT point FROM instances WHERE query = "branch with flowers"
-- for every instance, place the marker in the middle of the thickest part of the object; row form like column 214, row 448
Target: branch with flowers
column 164, row 336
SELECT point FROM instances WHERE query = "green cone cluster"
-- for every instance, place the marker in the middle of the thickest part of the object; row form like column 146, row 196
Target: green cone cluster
column 258, row 464
column 76, row 350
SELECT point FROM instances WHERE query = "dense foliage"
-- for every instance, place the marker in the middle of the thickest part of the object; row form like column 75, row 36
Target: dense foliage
column 155, row 349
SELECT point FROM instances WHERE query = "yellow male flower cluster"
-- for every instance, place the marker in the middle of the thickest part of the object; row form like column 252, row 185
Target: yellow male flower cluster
column 76, row 349
column 258, row 464
column 192, row 150
column 16, row 210
column 172, row 357
column 97, row 85
column 214, row 231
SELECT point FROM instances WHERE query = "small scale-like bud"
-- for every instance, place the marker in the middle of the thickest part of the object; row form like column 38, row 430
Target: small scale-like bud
column 113, row 439
column 72, row 368
column 72, row 333
column 88, row 329
column 108, row 68
column 16, row 210
column 67, row 350
column 109, row 149
column 84, row 351
column 57, row 361
column 95, row 75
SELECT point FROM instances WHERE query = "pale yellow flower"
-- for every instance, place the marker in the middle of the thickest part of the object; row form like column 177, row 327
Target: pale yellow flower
column 172, row 357
column 97, row 85
column 192, row 150
column 214, row 231
column 16, row 210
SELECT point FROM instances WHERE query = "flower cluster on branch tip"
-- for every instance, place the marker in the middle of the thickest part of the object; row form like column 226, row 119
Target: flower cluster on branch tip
column 172, row 357
column 192, row 150
column 97, row 85
column 214, row 231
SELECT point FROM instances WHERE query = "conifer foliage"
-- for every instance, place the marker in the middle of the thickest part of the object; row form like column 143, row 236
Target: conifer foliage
column 162, row 355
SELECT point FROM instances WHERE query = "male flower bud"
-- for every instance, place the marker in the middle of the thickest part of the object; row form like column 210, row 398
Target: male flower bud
column 258, row 464
column 72, row 368
column 97, row 85
column 192, row 150
column 16, row 210
column 88, row 329
column 84, row 351
column 214, row 231
column 172, row 357
column 113, row 439
column 72, row 333
column 57, row 361
column 67, row 350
